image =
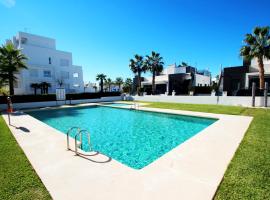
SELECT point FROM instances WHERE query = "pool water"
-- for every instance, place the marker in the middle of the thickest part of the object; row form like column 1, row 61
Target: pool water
column 118, row 104
column 134, row 138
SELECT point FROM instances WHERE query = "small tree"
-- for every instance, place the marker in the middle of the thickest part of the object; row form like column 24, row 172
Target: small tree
column 127, row 85
column 11, row 62
column 35, row 86
column 60, row 82
column 184, row 64
column 44, row 86
column 119, row 82
column 108, row 83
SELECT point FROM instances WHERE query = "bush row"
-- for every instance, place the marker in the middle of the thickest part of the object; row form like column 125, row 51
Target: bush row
column 52, row 97
column 202, row 90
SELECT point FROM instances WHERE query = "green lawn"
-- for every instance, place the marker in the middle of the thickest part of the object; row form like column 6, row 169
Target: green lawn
column 18, row 180
column 248, row 175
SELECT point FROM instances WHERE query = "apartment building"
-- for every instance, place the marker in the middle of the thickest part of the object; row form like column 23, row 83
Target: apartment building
column 46, row 64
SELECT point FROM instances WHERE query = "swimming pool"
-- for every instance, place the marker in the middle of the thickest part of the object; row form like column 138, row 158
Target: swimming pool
column 134, row 138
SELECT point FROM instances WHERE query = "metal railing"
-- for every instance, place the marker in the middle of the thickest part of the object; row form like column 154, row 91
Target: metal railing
column 79, row 135
column 136, row 106
column 68, row 133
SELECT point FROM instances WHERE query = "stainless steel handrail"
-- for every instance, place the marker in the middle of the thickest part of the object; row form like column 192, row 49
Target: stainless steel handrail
column 135, row 105
column 68, row 132
column 76, row 139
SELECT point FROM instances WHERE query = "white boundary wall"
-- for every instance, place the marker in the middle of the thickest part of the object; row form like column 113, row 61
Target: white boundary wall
column 221, row 100
column 59, row 103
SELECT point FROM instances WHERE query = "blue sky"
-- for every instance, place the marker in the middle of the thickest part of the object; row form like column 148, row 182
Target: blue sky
column 104, row 34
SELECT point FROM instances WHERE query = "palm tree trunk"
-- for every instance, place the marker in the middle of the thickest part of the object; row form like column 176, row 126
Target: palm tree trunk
column 139, row 84
column 153, row 83
column 35, row 91
column 261, row 72
column 11, row 84
column 101, row 85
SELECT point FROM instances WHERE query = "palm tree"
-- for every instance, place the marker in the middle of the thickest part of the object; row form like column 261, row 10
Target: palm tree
column 108, row 83
column 257, row 47
column 101, row 78
column 127, row 85
column 119, row 82
column 11, row 61
column 137, row 67
column 154, row 64
column 35, row 86
column 44, row 86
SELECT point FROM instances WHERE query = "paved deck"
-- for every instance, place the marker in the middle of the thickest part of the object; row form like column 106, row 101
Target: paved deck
column 193, row 170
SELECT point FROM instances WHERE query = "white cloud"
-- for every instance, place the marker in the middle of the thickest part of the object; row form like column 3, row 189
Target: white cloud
column 8, row 3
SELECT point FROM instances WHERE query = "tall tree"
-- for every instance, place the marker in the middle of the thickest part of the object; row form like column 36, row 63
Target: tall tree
column 257, row 46
column 11, row 62
column 108, row 83
column 118, row 82
column 101, row 78
column 137, row 67
column 154, row 64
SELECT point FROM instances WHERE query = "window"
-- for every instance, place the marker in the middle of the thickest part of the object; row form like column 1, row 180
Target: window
column 75, row 75
column 50, row 60
column 23, row 40
column 64, row 62
column 47, row 73
column 64, row 75
column 33, row 72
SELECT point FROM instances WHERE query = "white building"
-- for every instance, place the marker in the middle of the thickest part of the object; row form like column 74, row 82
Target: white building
column 46, row 64
column 173, row 77
column 253, row 71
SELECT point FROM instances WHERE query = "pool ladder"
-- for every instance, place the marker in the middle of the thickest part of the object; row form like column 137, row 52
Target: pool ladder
column 78, row 136
column 135, row 106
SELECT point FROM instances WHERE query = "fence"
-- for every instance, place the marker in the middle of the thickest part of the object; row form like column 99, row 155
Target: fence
column 217, row 100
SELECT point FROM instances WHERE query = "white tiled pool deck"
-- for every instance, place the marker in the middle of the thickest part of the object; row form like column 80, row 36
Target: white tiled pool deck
column 193, row 170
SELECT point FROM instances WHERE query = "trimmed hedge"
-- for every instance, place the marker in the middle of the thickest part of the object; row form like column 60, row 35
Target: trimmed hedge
column 28, row 98
column 52, row 97
column 202, row 90
column 87, row 95
column 248, row 92
column 83, row 96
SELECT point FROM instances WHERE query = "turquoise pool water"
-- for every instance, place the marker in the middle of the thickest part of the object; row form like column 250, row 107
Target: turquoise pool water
column 118, row 104
column 134, row 138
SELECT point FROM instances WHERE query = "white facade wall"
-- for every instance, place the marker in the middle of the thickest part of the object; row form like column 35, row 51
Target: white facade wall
column 201, row 80
column 173, row 69
column 254, row 66
column 46, row 64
